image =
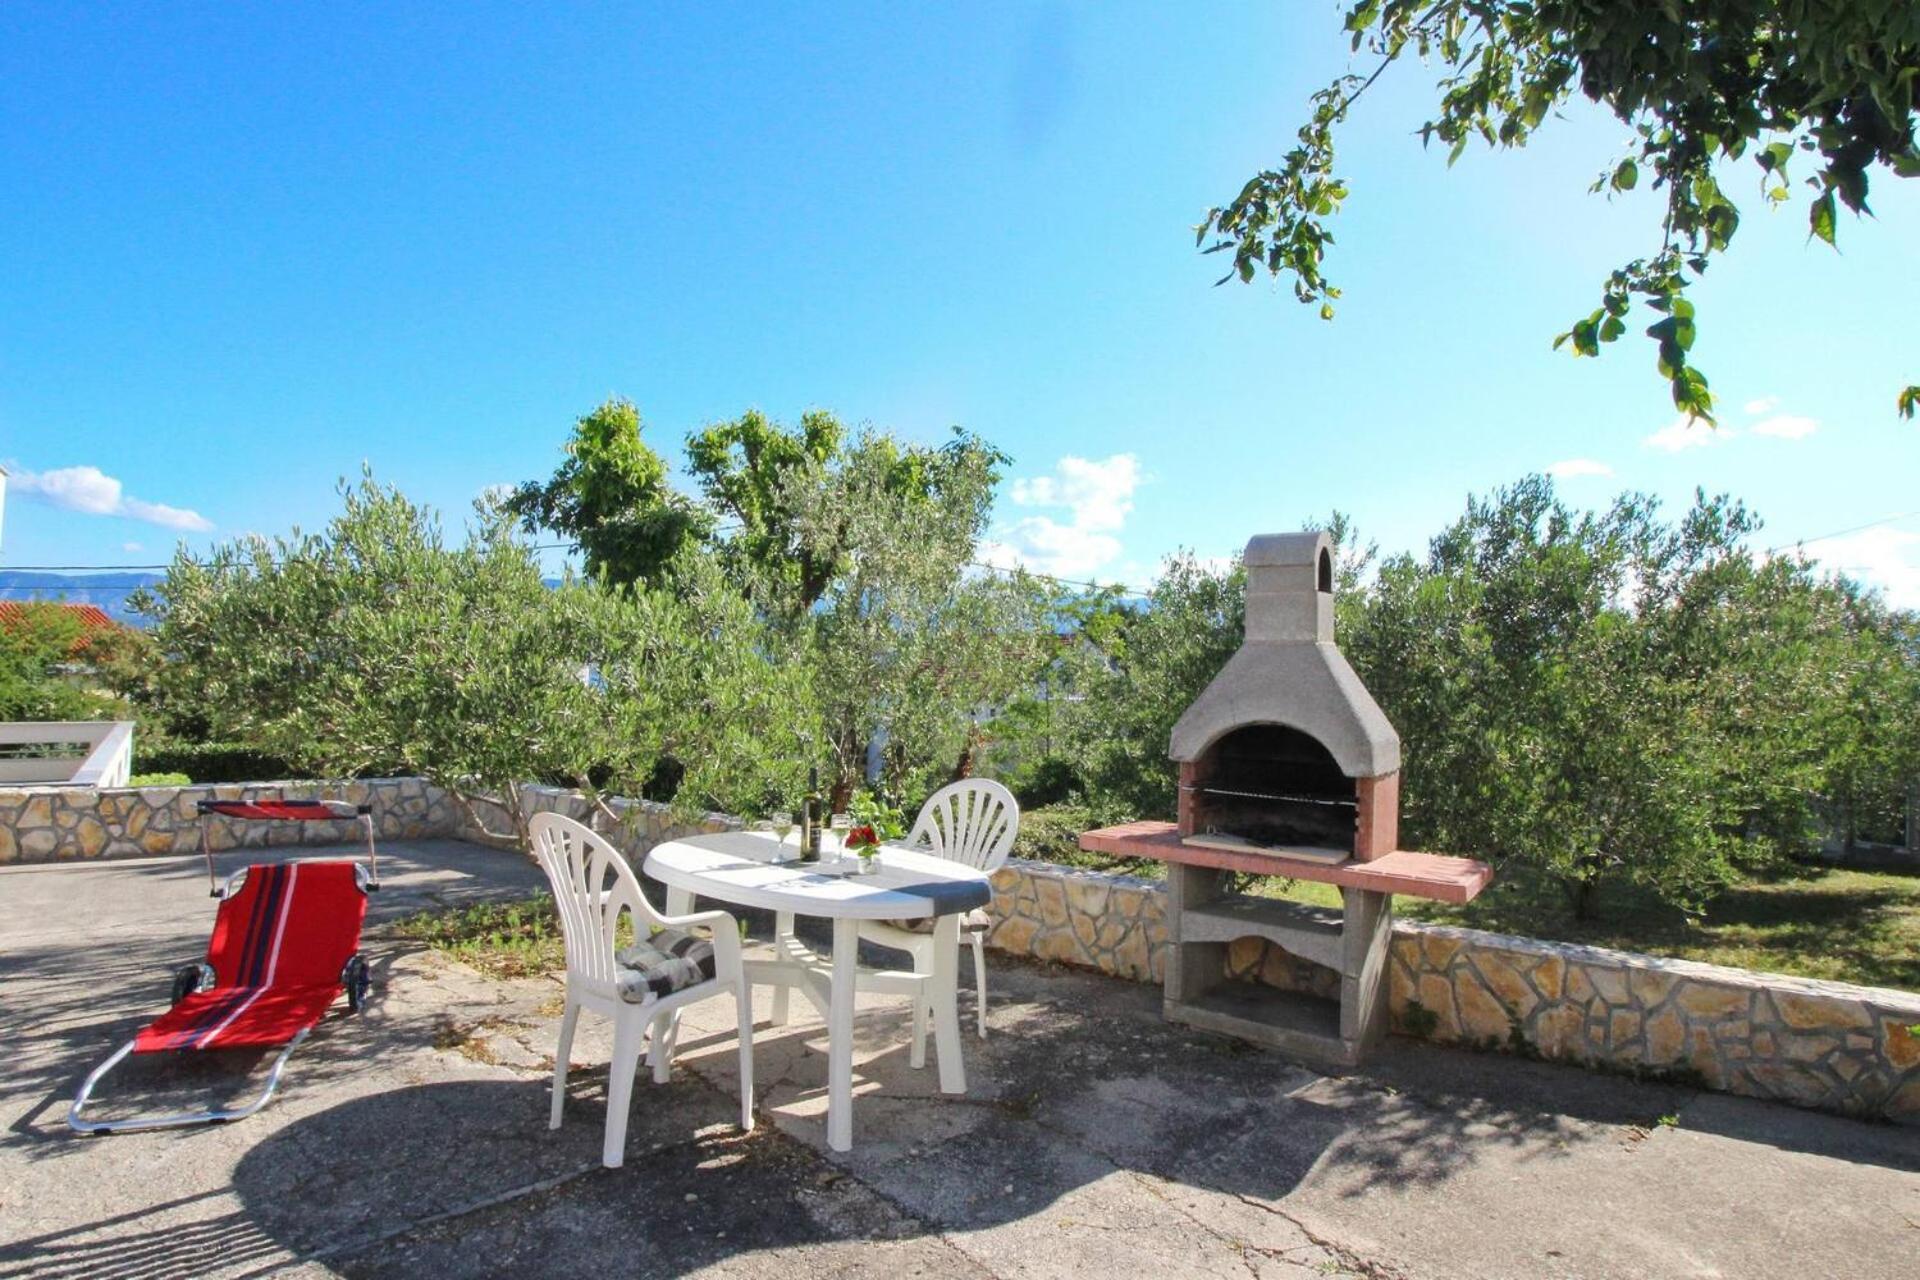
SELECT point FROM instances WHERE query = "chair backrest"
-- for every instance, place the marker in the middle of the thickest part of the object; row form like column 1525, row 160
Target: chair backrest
column 973, row 821
column 592, row 884
column 289, row 924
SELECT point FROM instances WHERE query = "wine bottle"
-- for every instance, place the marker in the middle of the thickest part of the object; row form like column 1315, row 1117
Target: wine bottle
column 810, row 819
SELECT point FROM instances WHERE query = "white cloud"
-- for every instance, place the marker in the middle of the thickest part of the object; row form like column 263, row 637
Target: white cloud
column 93, row 492
column 1097, row 496
column 1682, row 434
column 132, row 546
column 1765, row 404
column 1786, row 426
column 165, row 516
column 1886, row 558
column 1571, row 467
column 87, row 490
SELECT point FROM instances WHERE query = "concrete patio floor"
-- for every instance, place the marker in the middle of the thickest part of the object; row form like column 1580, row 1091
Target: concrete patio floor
column 1094, row 1138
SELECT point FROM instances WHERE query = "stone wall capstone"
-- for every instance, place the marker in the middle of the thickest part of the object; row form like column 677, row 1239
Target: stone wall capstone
column 61, row 824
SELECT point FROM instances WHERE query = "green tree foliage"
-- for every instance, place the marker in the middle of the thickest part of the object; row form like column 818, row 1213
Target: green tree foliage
column 767, row 481
column 1567, row 686
column 37, row 645
column 611, row 497
column 1596, row 697
column 379, row 645
column 1149, row 662
column 798, row 501
column 859, row 550
column 1820, row 93
column 855, row 549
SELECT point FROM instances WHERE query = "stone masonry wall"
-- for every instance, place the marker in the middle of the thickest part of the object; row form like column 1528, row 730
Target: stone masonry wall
column 1115, row 924
column 635, row 827
column 59, row 824
column 1829, row 1045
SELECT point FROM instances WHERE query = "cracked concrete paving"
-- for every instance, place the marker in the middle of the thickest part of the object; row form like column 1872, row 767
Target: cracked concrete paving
column 1094, row 1137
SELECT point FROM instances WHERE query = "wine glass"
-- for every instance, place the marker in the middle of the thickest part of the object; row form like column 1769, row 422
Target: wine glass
column 782, row 823
column 840, row 824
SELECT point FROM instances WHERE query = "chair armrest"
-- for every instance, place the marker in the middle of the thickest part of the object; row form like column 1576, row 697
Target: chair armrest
column 726, row 937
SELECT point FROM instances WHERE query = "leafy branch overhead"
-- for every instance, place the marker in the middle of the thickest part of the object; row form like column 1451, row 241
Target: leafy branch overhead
column 1819, row 94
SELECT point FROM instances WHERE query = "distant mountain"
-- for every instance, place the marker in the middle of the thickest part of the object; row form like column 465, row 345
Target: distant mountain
column 108, row 590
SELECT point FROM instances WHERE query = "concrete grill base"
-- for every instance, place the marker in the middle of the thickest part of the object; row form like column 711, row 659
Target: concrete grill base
column 1203, row 920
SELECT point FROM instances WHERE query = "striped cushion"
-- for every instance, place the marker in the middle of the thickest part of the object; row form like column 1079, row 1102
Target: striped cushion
column 667, row 962
column 975, row 921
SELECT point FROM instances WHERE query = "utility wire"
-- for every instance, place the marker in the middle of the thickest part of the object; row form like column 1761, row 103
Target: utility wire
column 1841, row 533
column 128, row 568
column 1065, row 582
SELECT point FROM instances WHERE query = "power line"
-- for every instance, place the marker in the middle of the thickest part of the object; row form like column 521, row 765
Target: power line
column 129, row 568
column 1841, row 533
column 1065, row 582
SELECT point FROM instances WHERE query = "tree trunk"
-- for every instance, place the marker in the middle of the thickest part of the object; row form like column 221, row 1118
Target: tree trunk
column 963, row 767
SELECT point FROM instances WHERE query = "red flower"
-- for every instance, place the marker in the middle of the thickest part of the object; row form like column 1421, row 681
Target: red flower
column 863, row 838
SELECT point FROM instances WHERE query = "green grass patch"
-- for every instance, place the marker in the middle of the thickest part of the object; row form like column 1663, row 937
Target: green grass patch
column 1817, row 922
column 515, row 939
column 1837, row 923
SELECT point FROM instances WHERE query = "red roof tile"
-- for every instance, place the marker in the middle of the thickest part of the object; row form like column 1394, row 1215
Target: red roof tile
column 92, row 617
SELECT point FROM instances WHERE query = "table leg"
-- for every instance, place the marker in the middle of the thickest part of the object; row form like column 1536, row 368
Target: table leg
column 666, row 1030
column 946, row 1017
column 846, row 947
column 782, row 932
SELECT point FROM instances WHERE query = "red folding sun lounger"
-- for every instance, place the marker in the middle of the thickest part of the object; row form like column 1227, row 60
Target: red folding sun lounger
column 286, row 943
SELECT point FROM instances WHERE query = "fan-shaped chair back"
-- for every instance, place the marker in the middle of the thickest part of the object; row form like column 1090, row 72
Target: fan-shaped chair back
column 592, row 884
column 973, row 821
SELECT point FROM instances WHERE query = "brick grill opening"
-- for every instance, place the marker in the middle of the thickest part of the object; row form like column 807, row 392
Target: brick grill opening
column 1271, row 785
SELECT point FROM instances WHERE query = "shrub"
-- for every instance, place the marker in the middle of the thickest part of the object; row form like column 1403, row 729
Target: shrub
column 159, row 780
column 210, row 762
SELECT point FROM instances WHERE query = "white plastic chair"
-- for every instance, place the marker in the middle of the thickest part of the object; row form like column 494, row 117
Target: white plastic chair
column 593, row 885
column 973, row 821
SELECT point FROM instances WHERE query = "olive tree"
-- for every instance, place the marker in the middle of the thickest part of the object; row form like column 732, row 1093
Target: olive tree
column 910, row 651
column 380, row 645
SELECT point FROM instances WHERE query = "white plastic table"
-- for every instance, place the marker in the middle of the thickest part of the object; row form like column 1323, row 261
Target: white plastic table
column 740, row 867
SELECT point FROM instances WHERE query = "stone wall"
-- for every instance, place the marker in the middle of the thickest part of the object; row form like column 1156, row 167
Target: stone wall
column 60, row 824
column 633, row 827
column 1829, row 1045
column 1116, row 924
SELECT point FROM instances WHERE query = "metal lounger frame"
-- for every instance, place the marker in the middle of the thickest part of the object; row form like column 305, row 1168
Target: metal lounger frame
column 217, row 1116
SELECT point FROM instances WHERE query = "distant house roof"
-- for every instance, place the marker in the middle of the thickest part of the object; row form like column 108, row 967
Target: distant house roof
column 92, row 618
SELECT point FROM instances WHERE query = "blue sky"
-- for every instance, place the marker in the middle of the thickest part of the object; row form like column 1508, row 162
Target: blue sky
column 249, row 247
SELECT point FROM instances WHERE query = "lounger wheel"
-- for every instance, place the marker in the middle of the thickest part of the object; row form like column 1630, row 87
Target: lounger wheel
column 189, row 978
column 356, row 978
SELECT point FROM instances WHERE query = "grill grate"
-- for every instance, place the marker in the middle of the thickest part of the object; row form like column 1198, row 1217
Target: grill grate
column 1335, row 802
